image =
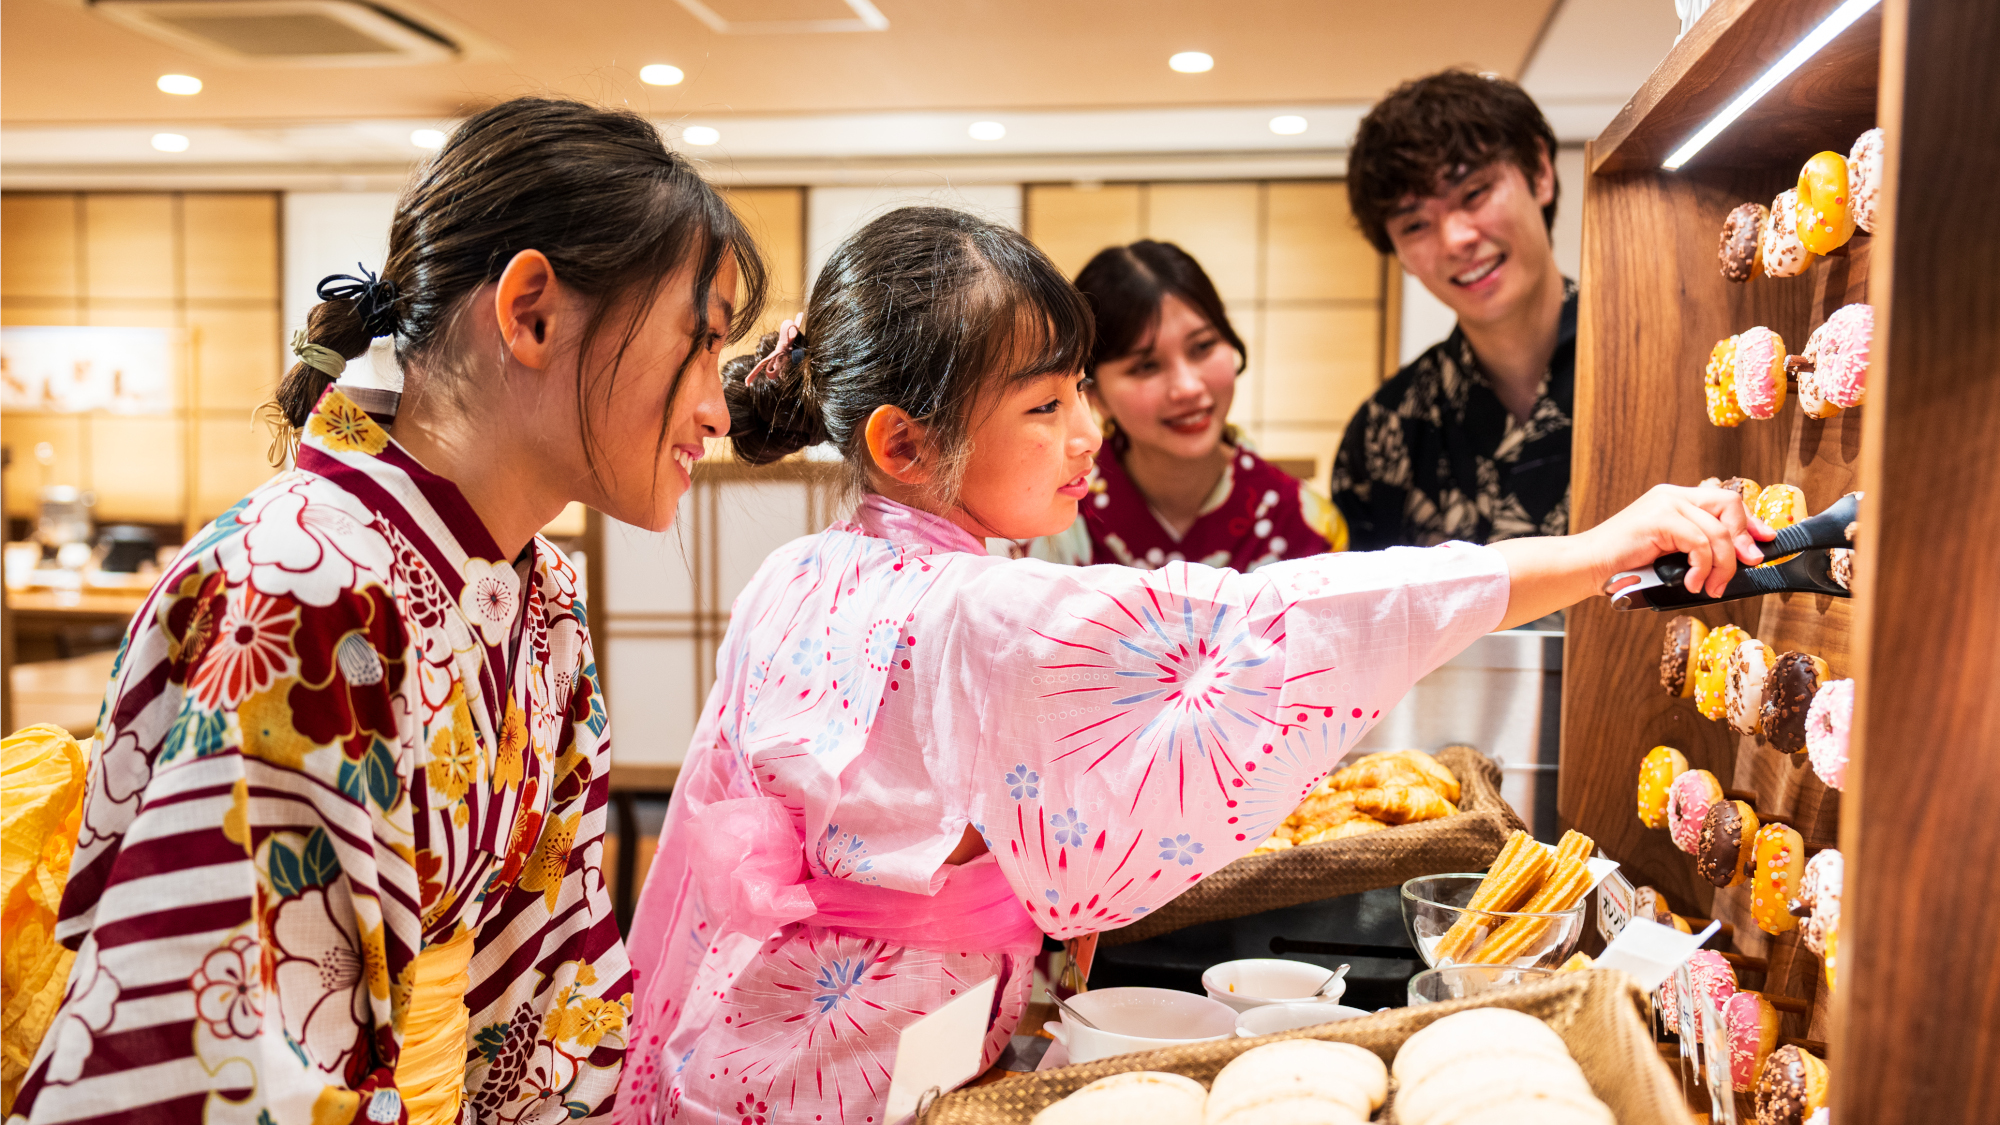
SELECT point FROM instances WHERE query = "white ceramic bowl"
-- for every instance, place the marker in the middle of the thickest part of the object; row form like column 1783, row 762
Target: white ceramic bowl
column 1273, row 1018
column 1140, row 1019
column 1257, row 981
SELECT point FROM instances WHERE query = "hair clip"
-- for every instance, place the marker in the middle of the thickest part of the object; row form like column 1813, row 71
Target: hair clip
column 793, row 328
column 319, row 357
column 376, row 297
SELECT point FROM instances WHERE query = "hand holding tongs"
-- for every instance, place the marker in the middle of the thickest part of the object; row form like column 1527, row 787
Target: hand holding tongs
column 1663, row 585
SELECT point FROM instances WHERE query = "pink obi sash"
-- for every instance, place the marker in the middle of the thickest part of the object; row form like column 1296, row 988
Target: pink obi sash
column 749, row 861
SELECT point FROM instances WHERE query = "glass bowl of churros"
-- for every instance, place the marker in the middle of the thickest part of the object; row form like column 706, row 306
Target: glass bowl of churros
column 1526, row 911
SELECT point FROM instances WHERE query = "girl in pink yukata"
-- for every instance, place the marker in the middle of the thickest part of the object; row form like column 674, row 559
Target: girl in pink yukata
column 918, row 759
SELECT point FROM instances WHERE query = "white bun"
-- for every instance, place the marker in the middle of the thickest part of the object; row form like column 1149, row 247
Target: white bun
column 1300, row 1068
column 1471, row 1032
column 1292, row 1111
column 1539, row 1111
column 1144, row 1095
column 1458, row 1089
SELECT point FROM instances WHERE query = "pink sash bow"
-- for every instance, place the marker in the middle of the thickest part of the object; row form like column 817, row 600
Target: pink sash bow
column 749, row 861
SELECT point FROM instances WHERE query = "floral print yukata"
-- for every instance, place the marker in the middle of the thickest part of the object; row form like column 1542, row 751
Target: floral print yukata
column 341, row 728
column 1113, row 734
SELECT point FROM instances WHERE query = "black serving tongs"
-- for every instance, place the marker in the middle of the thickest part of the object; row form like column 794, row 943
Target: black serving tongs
column 1663, row 585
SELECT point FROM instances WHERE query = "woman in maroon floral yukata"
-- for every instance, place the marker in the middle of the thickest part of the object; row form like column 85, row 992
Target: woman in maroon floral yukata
column 1175, row 482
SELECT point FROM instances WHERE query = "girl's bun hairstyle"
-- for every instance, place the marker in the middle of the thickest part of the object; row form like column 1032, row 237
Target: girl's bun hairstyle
column 772, row 417
column 596, row 190
column 922, row 309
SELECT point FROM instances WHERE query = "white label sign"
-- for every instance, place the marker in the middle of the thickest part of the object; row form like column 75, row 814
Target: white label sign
column 1615, row 902
column 941, row 1050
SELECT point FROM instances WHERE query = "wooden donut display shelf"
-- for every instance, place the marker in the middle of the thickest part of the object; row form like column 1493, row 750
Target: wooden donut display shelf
column 1910, row 1032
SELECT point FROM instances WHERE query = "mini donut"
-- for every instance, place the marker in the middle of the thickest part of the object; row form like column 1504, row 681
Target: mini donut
column 1840, row 567
column 1752, row 1026
column 1677, row 654
column 1742, row 235
column 1718, row 385
column 1827, row 723
column 1840, row 350
column 1711, row 663
column 1791, row 1087
column 1780, row 864
column 1780, row 506
column 1656, row 773
column 1714, row 983
column 1825, row 220
column 1727, row 833
column 1688, row 800
column 1864, row 178
column 1818, row 904
column 1759, row 366
column 1744, row 680
column 1788, row 695
column 1781, row 251
column 1743, row 487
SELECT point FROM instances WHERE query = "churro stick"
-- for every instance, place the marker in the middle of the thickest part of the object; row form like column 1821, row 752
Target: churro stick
column 1564, row 888
column 1516, row 872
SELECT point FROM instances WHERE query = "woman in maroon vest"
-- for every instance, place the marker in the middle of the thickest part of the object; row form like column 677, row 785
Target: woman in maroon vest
column 1175, row 482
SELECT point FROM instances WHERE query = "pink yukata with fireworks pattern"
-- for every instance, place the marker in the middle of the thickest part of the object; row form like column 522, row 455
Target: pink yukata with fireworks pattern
column 1113, row 734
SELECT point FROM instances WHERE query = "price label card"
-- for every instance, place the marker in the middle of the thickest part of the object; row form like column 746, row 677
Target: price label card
column 939, row 1052
column 1615, row 901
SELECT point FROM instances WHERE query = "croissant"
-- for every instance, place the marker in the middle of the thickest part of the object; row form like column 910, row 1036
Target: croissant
column 1409, row 766
column 1321, row 809
column 1400, row 803
column 1353, row 826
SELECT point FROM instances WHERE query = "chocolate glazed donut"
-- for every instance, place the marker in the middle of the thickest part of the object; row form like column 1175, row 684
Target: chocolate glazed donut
column 1724, row 832
column 1742, row 234
column 1791, row 1087
column 1788, row 694
column 1683, row 633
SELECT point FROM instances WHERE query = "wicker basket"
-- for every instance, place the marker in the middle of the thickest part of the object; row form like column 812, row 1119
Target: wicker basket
column 1467, row 841
column 1599, row 1014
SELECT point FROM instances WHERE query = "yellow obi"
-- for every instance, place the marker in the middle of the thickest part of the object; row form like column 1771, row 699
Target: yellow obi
column 430, row 1072
column 41, row 807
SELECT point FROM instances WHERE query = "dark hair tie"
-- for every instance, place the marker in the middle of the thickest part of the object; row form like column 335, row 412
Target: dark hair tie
column 375, row 296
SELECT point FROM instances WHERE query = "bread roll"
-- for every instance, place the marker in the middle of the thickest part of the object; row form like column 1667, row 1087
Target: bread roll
column 1145, row 1095
column 1342, row 1073
column 1473, row 1082
column 1474, row 1031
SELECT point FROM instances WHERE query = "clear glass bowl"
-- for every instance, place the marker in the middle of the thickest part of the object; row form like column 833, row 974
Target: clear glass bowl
column 1456, row 982
column 1433, row 904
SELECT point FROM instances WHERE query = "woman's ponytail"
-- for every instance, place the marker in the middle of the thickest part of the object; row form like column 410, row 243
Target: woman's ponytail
column 771, row 412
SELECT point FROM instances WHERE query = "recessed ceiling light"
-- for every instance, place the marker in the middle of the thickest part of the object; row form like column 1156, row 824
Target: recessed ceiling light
column 700, row 135
column 1288, row 124
column 987, row 130
column 170, row 142
column 660, row 74
column 1192, row 62
column 179, row 84
column 432, row 139
column 1835, row 23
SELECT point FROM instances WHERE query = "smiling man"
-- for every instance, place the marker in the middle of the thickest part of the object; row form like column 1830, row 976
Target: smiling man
column 1453, row 174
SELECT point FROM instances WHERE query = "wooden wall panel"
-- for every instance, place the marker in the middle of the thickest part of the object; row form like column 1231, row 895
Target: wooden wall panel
column 38, row 256
column 138, row 467
column 130, row 248
column 776, row 217
column 230, row 245
column 1313, row 249
column 1071, row 224
column 1220, row 224
column 238, row 355
column 1917, row 1015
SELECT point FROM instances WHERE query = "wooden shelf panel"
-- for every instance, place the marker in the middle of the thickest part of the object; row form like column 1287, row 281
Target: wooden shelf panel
column 1824, row 104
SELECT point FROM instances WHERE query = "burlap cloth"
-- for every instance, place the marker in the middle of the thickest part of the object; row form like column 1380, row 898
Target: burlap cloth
column 1467, row 841
column 1599, row 1014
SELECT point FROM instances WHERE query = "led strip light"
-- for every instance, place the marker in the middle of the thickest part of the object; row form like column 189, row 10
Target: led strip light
column 1840, row 20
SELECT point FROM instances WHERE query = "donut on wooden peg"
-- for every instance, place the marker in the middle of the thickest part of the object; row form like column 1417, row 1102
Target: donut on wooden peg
column 1711, row 669
column 1751, row 1023
column 1688, row 802
column 1714, row 983
column 1791, row 1087
column 1728, row 836
column 1743, row 685
column 1788, row 695
column 1677, row 654
column 1657, row 772
column 1780, row 862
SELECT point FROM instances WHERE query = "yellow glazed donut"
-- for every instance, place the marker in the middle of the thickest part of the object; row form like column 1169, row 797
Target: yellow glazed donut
column 1825, row 220
column 1711, row 670
column 1659, row 769
column 1781, row 863
column 1718, row 385
column 1780, row 506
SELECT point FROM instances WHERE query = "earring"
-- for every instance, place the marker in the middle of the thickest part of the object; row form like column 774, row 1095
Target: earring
column 1109, row 428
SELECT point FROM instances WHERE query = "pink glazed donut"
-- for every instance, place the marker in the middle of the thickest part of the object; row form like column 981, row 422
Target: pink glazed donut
column 1688, row 800
column 1752, row 1025
column 1839, row 350
column 1827, row 723
column 1760, row 372
column 1714, row 983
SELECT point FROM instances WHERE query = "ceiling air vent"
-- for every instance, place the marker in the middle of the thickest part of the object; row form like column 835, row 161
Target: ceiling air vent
column 286, row 32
